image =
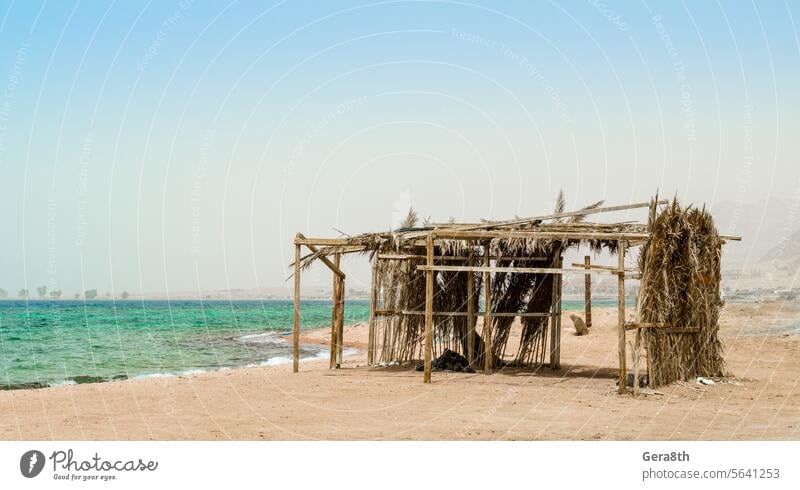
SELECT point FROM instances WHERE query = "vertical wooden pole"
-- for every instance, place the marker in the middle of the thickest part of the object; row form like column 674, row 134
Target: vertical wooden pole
column 637, row 345
column 587, row 291
column 623, row 375
column 471, row 313
column 373, row 301
column 555, row 318
column 296, row 331
column 558, row 310
column 487, row 319
column 428, row 310
column 637, row 358
column 334, row 316
column 340, row 319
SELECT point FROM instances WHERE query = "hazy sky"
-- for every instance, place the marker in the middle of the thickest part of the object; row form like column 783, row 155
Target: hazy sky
column 178, row 145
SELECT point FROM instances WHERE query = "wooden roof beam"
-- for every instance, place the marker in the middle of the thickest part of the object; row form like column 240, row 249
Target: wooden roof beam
column 336, row 270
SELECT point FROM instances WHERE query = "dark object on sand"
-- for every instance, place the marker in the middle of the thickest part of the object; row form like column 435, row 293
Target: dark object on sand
column 642, row 381
column 449, row 361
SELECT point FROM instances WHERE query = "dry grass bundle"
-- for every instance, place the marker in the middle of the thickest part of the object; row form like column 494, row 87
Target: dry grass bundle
column 680, row 266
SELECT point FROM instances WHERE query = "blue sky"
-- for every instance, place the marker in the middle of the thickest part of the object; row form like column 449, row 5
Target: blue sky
column 178, row 146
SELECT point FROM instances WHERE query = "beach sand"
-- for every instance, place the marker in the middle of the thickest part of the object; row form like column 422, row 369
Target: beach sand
column 759, row 401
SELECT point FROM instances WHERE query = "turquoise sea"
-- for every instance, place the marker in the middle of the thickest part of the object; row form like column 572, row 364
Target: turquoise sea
column 48, row 343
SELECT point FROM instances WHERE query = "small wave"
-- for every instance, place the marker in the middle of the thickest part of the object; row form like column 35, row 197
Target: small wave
column 261, row 338
column 65, row 382
column 322, row 353
column 169, row 374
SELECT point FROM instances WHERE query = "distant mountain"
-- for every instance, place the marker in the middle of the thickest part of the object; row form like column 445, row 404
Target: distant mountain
column 787, row 248
column 763, row 225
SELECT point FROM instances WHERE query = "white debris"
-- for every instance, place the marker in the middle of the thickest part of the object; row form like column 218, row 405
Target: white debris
column 704, row 381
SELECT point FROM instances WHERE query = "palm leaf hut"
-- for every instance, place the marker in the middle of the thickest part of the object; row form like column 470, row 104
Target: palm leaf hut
column 432, row 281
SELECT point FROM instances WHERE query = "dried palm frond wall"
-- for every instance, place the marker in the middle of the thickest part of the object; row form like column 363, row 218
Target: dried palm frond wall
column 680, row 266
column 401, row 287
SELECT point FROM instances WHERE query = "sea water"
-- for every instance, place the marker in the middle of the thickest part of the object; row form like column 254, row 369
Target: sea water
column 48, row 343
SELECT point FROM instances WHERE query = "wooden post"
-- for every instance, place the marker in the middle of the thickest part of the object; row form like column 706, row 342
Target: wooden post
column 555, row 318
column 623, row 375
column 428, row 310
column 637, row 346
column 555, row 330
column 637, row 359
column 487, row 319
column 471, row 313
column 296, row 331
column 340, row 320
column 373, row 302
column 335, row 335
column 587, row 292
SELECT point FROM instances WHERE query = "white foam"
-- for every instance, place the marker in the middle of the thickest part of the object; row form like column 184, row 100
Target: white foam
column 261, row 338
column 65, row 382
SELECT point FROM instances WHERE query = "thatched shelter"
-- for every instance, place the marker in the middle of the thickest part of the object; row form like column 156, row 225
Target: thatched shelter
column 430, row 282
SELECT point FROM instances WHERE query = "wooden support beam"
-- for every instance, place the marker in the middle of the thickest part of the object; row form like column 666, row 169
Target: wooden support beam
column 547, row 235
column 520, row 314
column 452, row 258
column 587, row 292
column 340, row 318
column 569, row 214
column 333, row 267
column 428, row 311
column 679, row 330
column 327, row 242
column 636, row 355
column 373, row 304
column 296, row 331
column 514, row 270
column 635, row 325
column 335, row 317
column 471, row 320
column 623, row 377
column 610, row 268
column 555, row 322
column 487, row 319
column 560, row 281
column 660, row 327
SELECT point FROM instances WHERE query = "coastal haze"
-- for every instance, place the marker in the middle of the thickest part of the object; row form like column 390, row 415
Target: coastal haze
column 177, row 147
column 158, row 158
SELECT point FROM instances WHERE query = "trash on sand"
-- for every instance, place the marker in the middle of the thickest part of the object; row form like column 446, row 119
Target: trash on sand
column 704, row 381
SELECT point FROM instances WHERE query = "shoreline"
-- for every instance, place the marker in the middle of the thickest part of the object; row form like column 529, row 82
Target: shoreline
column 322, row 353
column 318, row 338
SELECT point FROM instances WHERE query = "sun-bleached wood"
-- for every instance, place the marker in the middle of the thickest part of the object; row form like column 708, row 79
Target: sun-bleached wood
column 373, row 304
column 623, row 378
column 516, row 270
column 471, row 320
column 587, row 292
column 325, row 260
column 487, row 321
column 296, row 330
column 428, row 312
column 457, row 313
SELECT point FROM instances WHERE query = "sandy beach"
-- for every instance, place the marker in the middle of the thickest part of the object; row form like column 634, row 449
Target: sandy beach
column 760, row 400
